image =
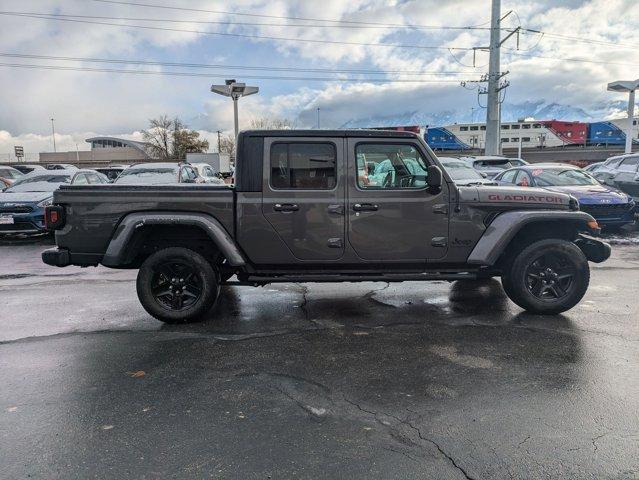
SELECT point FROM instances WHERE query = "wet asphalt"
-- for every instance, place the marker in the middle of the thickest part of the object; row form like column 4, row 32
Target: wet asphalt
column 371, row 380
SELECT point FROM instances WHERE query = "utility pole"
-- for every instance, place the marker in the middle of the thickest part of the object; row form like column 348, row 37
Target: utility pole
column 494, row 79
column 219, row 141
column 493, row 110
column 53, row 133
column 318, row 118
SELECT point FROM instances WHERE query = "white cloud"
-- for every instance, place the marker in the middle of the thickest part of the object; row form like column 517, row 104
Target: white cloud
column 109, row 103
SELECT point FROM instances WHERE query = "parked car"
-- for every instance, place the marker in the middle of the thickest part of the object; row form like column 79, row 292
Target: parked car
column 621, row 172
column 27, row 168
column 8, row 175
column 610, row 207
column 593, row 167
column 161, row 173
column 112, row 171
column 493, row 165
column 207, row 172
column 302, row 210
column 463, row 174
column 61, row 166
column 22, row 204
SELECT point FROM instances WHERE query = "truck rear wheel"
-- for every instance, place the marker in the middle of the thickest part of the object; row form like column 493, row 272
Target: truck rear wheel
column 177, row 285
column 547, row 277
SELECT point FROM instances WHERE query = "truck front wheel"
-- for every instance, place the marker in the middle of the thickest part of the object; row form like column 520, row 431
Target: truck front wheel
column 547, row 277
column 177, row 285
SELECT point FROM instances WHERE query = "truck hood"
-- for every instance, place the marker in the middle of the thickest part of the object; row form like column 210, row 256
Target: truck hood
column 508, row 195
column 593, row 194
column 24, row 197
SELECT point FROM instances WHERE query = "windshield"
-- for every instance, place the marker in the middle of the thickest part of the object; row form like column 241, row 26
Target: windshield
column 461, row 171
column 556, row 177
column 39, row 183
column 501, row 164
column 148, row 175
column 10, row 173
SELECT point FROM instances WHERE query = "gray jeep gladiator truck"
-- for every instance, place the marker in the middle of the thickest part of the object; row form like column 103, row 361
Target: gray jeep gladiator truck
column 327, row 206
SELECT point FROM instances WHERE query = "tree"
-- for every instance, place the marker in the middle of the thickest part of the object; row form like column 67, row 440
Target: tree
column 227, row 142
column 266, row 123
column 170, row 139
column 227, row 145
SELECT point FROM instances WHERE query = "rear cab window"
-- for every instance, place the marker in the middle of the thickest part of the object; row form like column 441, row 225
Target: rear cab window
column 303, row 166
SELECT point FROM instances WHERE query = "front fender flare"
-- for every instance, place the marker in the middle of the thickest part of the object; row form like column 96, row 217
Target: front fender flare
column 504, row 228
column 117, row 250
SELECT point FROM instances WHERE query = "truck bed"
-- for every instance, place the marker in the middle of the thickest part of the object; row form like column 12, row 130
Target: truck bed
column 95, row 211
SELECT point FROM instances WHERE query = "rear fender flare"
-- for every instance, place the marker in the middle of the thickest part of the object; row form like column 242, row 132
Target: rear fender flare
column 117, row 250
column 505, row 226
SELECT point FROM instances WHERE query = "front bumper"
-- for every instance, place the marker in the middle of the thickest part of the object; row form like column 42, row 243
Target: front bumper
column 595, row 250
column 57, row 257
column 23, row 223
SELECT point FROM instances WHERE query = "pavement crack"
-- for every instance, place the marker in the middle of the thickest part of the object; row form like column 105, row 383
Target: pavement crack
column 416, row 430
column 371, row 296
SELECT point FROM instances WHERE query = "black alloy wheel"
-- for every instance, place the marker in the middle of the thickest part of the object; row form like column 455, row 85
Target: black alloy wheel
column 550, row 277
column 547, row 277
column 176, row 285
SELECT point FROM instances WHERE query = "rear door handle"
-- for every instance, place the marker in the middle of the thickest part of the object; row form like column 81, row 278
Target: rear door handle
column 285, row 207
column 365, row 207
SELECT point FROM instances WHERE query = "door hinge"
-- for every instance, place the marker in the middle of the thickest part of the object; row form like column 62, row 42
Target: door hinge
column 335, row 243
column 439, row 241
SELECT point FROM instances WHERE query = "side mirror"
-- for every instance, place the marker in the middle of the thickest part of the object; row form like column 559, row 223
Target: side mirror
column 483, row 174
column 434, row 179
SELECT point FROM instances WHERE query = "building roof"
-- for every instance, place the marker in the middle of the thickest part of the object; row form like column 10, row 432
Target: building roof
column 141, row 146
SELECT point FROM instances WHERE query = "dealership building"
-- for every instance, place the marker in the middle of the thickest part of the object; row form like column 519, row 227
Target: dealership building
column 104, row 150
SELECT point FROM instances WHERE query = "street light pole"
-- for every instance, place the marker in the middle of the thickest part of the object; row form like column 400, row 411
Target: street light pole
column 235, row 116
column 235, row 90
column 318, row 118
column 631, row 116
column 627, row 86
column 53, row 133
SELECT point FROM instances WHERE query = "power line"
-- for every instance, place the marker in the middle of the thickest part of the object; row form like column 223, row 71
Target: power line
column 233, row 67
column 282, row 17
column 253, row 24
column 206, row 75
column 237, row 35
column 371, row 24
column 572, row 38
column 577, row 60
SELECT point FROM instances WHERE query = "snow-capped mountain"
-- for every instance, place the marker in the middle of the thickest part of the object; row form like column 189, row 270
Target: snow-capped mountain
column 510, row 112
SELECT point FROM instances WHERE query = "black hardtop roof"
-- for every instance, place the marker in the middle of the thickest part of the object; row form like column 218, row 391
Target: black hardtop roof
column 329, row 133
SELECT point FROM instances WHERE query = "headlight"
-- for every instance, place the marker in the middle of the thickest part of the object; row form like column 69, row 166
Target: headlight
column 46, row 202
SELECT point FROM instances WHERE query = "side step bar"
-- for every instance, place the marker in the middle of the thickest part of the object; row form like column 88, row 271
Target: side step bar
column 384, row 277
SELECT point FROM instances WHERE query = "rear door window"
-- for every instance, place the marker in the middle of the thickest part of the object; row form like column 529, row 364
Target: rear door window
column 80, row 179
column 629, row 164
column 509, row 177
column 304, row 166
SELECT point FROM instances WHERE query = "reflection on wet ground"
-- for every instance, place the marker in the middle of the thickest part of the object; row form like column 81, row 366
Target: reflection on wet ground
column 362, row 380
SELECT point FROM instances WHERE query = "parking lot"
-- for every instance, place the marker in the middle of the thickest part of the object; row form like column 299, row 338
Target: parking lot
column 407, row 380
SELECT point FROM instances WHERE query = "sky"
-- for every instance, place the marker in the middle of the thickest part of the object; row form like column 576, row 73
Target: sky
column 421, row 69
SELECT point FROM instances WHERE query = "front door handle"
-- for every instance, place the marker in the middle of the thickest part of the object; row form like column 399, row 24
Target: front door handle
column 285, row 207
column 365, row 207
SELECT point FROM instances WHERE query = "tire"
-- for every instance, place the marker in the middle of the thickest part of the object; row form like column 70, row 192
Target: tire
column 547, row 277
column 177, row 285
